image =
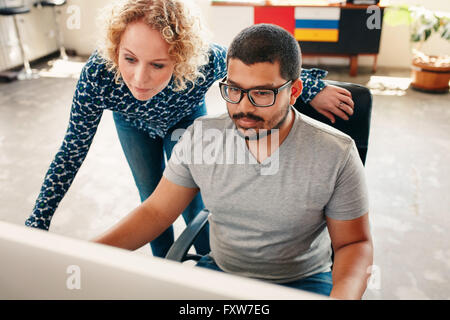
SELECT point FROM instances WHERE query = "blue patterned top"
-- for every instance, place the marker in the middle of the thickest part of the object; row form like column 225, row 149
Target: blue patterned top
column 312, row 83
column 97, row 91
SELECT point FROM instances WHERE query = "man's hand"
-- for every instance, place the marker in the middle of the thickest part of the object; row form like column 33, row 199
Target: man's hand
column 333, row 100
column 151, row 218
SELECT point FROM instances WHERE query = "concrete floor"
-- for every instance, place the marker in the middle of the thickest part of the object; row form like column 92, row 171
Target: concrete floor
column 407, row 170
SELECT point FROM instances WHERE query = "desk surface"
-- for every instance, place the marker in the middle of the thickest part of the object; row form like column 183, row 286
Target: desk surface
column 38, row 264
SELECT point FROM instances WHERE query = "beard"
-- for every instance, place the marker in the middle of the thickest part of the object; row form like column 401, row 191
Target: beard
column 259, row 133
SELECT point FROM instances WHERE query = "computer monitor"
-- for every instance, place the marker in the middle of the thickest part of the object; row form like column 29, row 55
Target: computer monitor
column 37, row 264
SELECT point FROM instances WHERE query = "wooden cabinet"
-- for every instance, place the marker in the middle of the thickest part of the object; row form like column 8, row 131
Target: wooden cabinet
column 355, row 39
column 343, row 30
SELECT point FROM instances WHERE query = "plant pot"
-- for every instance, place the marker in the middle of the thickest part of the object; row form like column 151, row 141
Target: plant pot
column 430, row 77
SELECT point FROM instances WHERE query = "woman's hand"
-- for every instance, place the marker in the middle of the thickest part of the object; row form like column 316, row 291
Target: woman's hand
column 333, row 100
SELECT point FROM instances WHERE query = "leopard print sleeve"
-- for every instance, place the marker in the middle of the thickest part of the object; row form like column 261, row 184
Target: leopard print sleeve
column 312, row 83
column 85, row 116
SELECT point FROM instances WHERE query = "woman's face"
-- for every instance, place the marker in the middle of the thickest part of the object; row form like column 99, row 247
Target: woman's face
column 144, row 61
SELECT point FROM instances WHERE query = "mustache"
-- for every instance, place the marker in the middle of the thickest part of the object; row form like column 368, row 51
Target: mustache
column 250, row 116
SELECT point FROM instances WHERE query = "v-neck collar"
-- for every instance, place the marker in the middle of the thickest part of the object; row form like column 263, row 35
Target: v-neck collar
column 277, row 153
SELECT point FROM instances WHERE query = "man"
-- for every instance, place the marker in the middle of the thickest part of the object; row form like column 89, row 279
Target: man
column 274, row 225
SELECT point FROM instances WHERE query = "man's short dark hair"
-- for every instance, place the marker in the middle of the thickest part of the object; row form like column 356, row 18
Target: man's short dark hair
column 268, row 43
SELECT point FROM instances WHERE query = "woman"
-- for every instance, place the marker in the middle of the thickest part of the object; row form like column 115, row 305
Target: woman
column 153, row 87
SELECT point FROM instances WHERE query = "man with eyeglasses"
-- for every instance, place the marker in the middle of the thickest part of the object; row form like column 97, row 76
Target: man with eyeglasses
column 275, row 227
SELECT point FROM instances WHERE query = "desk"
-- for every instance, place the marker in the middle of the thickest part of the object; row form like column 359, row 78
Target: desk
column 41, row 265
column 347, row 35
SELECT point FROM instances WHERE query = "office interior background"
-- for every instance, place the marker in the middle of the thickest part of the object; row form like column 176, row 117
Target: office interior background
column 407, row 165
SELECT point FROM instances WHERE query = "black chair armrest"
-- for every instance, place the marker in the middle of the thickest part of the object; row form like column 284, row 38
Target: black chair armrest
column 178, row 251
column 10, row 11
column 50, row 3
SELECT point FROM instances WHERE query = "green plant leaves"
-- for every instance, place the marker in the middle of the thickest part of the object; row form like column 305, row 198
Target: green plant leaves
column 395, row 16
column 423, row 22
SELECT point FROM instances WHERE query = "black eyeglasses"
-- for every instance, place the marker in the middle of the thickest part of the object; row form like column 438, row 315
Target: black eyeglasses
column 258, row 97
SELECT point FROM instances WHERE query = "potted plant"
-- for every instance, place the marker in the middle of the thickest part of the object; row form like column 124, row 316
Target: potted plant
column 429, row 72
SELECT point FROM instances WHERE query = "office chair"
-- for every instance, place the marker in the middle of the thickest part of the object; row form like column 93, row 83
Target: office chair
column 357, row 127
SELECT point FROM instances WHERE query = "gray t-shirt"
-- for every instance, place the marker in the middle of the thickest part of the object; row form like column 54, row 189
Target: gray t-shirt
column 267, row 220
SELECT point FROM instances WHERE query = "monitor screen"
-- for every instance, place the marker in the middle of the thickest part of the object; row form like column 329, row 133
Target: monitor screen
column 37, row 264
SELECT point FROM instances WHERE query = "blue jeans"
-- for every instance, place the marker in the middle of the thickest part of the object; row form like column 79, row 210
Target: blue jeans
column 145, row 156
column 320, row 283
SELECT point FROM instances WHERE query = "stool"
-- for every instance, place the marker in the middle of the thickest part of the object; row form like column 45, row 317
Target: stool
column 56, row 13
column 26, row 73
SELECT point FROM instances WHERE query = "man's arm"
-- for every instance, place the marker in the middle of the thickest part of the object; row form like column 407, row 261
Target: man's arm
column 353, row 254
column 151, row 218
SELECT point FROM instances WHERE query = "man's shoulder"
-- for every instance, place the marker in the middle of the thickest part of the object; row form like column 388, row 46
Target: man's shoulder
column 322, row 134
column 323, row 128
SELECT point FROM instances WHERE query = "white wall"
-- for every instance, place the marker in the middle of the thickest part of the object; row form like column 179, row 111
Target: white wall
column 38, row 33
column 225, row 22
column 81, row 31
column 395, row 48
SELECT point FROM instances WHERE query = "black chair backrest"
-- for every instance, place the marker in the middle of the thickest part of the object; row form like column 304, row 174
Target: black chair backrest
column 358, row 125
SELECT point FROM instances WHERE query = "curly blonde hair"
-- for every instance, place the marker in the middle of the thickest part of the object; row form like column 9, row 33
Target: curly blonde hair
column 183, row 32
